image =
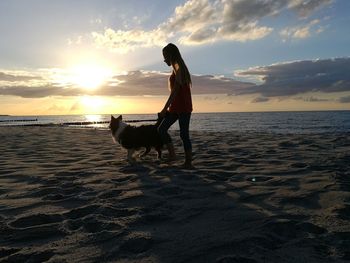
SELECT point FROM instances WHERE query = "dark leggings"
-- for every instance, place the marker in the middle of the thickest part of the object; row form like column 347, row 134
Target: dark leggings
column 184, row 123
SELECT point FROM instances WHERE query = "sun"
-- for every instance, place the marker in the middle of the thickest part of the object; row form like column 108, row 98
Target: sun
column 89, row 76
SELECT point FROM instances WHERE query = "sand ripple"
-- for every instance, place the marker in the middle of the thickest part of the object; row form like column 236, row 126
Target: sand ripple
column 69, row 196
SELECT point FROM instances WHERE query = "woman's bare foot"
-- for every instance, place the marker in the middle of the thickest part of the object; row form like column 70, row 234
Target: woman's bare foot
column 187, row 166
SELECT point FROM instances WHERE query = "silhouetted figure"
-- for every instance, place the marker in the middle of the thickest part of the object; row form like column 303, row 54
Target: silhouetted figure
column 179, row 104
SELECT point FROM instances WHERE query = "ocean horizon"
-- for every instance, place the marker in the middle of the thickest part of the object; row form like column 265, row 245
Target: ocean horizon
column 271, row 122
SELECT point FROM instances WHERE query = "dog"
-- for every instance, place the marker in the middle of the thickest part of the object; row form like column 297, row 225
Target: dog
column 133, row 138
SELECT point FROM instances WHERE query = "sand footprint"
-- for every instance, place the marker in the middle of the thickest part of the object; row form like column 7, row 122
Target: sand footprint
column 39, row 256
column 39, row 233
column 136, row 245
column 92, row 224
column 81, row 212
column 7, row 251
column 235, row 259
column 285, row 230
column 344, row 213
column 36, row 220
column 169, row 191
column 109, row 194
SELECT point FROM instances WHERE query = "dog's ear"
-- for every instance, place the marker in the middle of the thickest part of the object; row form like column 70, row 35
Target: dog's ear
column 120, row 117
column 112, row 118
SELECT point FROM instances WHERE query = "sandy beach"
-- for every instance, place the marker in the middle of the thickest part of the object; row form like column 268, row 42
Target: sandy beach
column 68, row 195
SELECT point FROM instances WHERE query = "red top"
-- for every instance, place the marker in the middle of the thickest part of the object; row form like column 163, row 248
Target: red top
column 182, row 102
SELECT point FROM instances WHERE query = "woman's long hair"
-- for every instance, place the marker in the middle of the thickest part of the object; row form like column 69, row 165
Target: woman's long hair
column 174, row 55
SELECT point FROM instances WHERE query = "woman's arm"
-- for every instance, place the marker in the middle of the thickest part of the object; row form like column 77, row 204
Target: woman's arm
column 172, row 96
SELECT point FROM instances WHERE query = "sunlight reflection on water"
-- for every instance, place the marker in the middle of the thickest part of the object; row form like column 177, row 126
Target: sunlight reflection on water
column 275, row 122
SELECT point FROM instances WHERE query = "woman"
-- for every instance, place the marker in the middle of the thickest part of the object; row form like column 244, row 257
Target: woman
column 178, row 105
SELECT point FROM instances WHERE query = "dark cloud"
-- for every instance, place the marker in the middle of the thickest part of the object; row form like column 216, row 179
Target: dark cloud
column 12, row 77
column 31, row 91
column 42, row 91
column 260, row 99
column 305, row 8
column 135, row 83
column 345, row 99
column 279, row 80
column 208, row 84
column 312, row 99
column 286, row 79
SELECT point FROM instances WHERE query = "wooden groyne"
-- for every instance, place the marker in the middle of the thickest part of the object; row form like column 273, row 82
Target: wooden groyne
column 74, row 123
column 20, row 120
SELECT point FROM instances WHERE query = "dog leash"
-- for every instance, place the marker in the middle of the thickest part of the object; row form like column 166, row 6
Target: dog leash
column 139, row 120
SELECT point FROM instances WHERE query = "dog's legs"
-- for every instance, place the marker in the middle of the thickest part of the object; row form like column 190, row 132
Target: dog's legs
column 159, row 151
column 131, row 159
column 148, row 149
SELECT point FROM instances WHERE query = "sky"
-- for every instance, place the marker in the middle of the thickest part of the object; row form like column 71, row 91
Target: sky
column 105, row 56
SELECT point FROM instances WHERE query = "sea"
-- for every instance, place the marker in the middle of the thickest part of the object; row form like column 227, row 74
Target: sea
column 297, row 122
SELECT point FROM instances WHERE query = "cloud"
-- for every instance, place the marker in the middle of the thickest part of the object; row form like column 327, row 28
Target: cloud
column 125, row 41
column 260, row 99
column 199, row 22
column 345, row 99
column 76, row 106
column 77, row 41
column 291, row 78
column 312, row 99
column 305, row 8
column 278, row 80
column 301, row 32
column 206, row 21
column 133, row 83
column 209, row 84
column 19, row 76
column 141, row 83
column 39, row 91
column 54, row 107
